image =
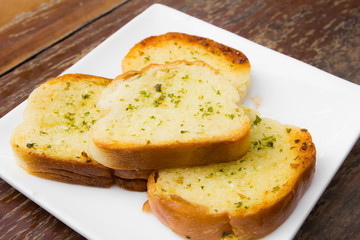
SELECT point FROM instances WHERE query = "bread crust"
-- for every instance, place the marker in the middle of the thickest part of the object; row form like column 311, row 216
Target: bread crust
column 231, row 54
column 217, row 52
column 137, row 185
column 80, row 77
column 89, row 173
column 194, row 221
column 132, row 174
column 149, row 157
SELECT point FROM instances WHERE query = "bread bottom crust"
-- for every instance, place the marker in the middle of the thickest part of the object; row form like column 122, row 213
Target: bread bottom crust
column 65, row 170
column 137, row 185
column 132, row 174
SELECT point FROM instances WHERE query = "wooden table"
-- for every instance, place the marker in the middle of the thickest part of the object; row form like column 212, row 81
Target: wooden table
column 49, row 36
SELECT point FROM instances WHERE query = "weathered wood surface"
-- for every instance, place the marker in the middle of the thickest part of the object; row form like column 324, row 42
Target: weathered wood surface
column 34, row 31
column 325, row 34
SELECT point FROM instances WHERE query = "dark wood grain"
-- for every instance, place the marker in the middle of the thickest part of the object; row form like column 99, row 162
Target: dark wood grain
column 47, row 26
column 324, row 34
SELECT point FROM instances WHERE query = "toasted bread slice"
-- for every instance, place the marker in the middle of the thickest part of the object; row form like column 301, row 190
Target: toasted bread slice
column 173, row 115
column 248, row 198
column 50, row 142
column 173, row 46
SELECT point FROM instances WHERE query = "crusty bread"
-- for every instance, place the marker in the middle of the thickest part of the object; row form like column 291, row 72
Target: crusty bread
column 133, row 180
column 132, row 174
column 173, row 46
column 50, row 142
column 136, row 184
column 173, row 115
column 248, row 198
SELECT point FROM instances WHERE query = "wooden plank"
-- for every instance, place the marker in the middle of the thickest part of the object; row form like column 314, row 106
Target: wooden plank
column 297, row 28
column 51, row 23
column 18, row 9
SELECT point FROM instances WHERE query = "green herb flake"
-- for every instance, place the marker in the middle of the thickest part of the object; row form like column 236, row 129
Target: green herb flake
column 218, row 92
column 85, row 96
column 257, row 120
column 87, row 114
column 69, row 116
column 131, row 107
column 67, row 86
column 30, row 145
column 274, row 189
column 157, row 87
column 177, row 102
column 303, row 130
column 231, row 116
column 288, row 130
column 185, row 77
column 182, row 131
column 238, row 204
column 157, row 103
column 143, row 92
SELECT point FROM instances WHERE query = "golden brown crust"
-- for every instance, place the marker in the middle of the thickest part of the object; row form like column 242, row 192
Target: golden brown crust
column 149, row 157
column 187, row 219
column 88, row 173
column 132, row 174
column 195, row 222
column 233, row 55
column 137, row 185
column 80, row 77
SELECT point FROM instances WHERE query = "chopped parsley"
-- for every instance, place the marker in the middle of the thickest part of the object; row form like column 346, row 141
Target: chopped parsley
column 158, row 87
column 30, row 145
column 85, row 96
column 257, row 120
column 238, row 204
column 231, row 116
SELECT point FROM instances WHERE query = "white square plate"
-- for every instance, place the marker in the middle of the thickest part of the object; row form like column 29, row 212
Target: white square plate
column 292, row 92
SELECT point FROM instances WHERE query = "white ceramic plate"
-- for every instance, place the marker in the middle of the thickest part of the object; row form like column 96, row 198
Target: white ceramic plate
column 291, row 91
